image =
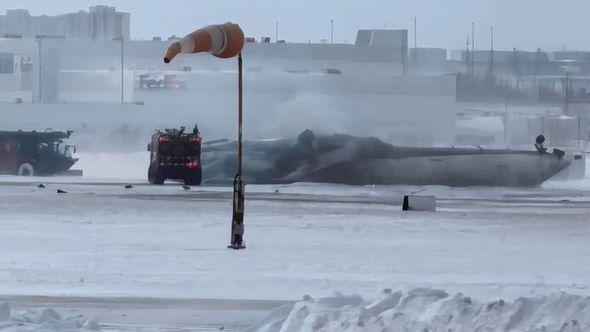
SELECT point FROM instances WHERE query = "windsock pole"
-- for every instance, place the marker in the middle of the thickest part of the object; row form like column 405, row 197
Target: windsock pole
column 223, row 41
column 237, row 227
column 240, row 87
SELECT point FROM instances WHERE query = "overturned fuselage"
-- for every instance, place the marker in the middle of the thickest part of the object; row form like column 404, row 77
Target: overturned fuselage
column 366, row 160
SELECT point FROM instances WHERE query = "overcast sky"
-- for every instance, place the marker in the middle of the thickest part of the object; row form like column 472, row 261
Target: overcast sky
column 526, row 24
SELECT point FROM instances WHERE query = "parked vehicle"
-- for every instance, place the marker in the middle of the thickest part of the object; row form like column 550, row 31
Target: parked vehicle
column 161, row 81
column 175, row 154
column 35, row 153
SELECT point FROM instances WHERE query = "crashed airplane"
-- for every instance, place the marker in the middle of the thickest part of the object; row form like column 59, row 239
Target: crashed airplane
column 353, row 160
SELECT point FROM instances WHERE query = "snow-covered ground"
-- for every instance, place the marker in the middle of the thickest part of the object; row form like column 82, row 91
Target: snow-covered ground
column 42, row 321
column 100, row 240
column 426, row 309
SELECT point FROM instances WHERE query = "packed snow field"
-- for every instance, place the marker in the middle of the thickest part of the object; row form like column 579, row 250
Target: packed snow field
column 101, row 241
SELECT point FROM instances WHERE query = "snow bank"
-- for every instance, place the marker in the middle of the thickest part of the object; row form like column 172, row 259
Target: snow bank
column 426, row 309
column 46, row 320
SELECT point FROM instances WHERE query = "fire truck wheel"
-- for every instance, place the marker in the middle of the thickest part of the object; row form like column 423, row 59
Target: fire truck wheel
column 25, row 169
column 194, row 179
column 154, row 177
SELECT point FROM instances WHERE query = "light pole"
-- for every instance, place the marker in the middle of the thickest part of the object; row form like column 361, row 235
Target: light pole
column 472, row 49
column 415, row 42
column 223, row 41
column 120, row 39
column 331, row 31
column 122, row 72
column 492, row 50
column 567, row 93
column 40, row 69
column 467, row 61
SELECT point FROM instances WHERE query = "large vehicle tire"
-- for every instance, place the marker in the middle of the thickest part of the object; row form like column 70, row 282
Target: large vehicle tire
column 25, row 169
column 162, row 84
column 154, row 177
column 195, row 178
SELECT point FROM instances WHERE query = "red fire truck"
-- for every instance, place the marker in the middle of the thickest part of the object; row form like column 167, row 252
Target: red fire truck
column 35, row 153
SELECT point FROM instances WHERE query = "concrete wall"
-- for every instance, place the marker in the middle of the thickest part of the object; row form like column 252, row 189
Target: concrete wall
column 94, row 86
column 11, row 84
column 580, row 56
column 501, row 56
column 11, row 96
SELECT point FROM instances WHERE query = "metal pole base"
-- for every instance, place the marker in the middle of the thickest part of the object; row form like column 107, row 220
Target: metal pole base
column 237, row 225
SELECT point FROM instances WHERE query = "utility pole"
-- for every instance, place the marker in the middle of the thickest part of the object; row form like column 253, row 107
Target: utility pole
column 122, row 72
column 415, row 42
column 516, row 65
column 472, row 49
column 467, row 71
column 579, row 131
column 405, row 54
column 276, row 31
column 120, row 39
column 332, row 31
column 538, row 61
column 567, row 93
column 40, row 69
column 491, row 50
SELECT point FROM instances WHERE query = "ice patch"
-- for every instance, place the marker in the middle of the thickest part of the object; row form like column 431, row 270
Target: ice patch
column 428, row 309
column 46, row 320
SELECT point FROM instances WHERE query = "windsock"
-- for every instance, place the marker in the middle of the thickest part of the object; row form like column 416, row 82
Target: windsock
column 223, row 41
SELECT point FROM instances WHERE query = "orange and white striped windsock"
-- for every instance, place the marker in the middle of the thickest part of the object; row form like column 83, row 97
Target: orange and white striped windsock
column 222, row 40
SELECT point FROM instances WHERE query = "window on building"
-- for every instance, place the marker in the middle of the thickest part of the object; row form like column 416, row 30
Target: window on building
column 6, row 63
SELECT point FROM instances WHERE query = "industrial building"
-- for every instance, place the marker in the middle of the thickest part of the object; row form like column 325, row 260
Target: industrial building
column 99, row 22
